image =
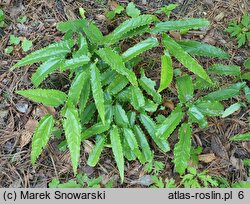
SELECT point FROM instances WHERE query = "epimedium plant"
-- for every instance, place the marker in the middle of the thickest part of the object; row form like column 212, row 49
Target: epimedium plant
column 106, row 99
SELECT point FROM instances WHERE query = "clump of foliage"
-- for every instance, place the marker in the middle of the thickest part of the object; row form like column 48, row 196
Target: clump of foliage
column 240, row 30
column 2, row 17
column 106, row 101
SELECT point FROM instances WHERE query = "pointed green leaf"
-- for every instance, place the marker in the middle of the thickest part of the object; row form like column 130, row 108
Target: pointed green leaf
column 118, row 83
column 202, row 49
column 139, row 48
column 221, row 69
column 87, row 113
column 58, row 50
column 166, row 71
column 240, row 137
column 149, row 86
column 71, row 25
column 72, row 128
column 136, row 97
column 48, row 97
column 117, row 150
column 96, row 151
column 165, row 129
column 231, row 109
column 150, row 106
column 182, row 148
column 132, row 11
column 131, row 143
column 247, row 93
column 44, row 70
column 97, row 91
column 196, row 116
column 191, row 23
column 75, row 62
column 83, row 47
column 210, row 108
column 108, row 76
column 41, row 136
column 77, row 86
column 115, row 61
column 247, row 63
column 143, row 143
column 150, row 126
column 183, row 57
column 225, row 93
column 185, row 88
column 96, row 129
column 120, row 116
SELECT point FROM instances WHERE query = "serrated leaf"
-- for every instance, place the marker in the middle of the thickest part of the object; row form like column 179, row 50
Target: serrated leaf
column 136, row 97
column 131, row 140
column 88, row 113
column 139, row 48
column 150, row 126
column 231, row 109
column 240, row 137
column 221, row 69
column 97, row 91
column 182, row 148
column 247, row 93
column 71, row 25
column 44, row 70
column 165, row 129
column 129, row 26
column 117, row 84
column 191, row 23
column 115, row 61
column 247, row 63
column 75, row 62
column 242, row 184
column 210, row 108
column 96, row 151
column 83, row 46
column 84, row 97
column 132, row 11
column 117, row 150
column 149, row 86
column 72, row 128
column 166, row 71
column 41, row 136
column 225, row 93
column 77, row 86
column 108, row 76
column 184, row 58
column 143, row 143
column 196, row 116
column 202, row 49
column 120, row 116
column 96, row 129
column 131, row 117
column 48, row 97
column 150, row 106
column 58, row 50
column 185, row 88
column 26, row 45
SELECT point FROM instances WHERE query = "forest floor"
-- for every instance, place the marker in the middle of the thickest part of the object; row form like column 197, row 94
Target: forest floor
column 18, row 116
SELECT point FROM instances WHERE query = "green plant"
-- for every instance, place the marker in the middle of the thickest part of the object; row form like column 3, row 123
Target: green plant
column 107, row 100
column 196, row 179
column 2, row 17
column 240, row 30
column 81, row 181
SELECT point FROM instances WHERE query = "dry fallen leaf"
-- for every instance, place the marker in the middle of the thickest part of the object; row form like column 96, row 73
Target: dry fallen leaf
column 41, row 111
column 246, row 145
column 176, row 35
column 88, row 146
column 27, row 133
column 169, row 104
column 207, row 158
column 112, row 4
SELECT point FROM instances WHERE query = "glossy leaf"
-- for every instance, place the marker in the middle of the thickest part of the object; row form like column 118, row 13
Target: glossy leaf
column 231, row 109
column 225, row 93
column 149, row 86
column 131, row 141
column 115, row 61
column 183, row 57
column 118, row 83
column 132, row 11
column 221, row 69
column 137, row 98
column 71, row 25
column 166, row 71
column 58, row 50
column 202, row 49
column 44, row 70
column 139, row 48
column 41, row 136
column 117, row 150
column 150, row 126
column 72, row 128
column 210, row 108
column 83, row 47
column 191, row 23
column 97, row 91
column 165, row 129
column 240, row 137
column 48, row 97
column 96, row 151
column 150, row 106
column 143, row 143
column 196, row 116
column 182, row 148
column 96, row 129
column 120, row 116
column 77, row 86
column 185, row 88
column 75, row 62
